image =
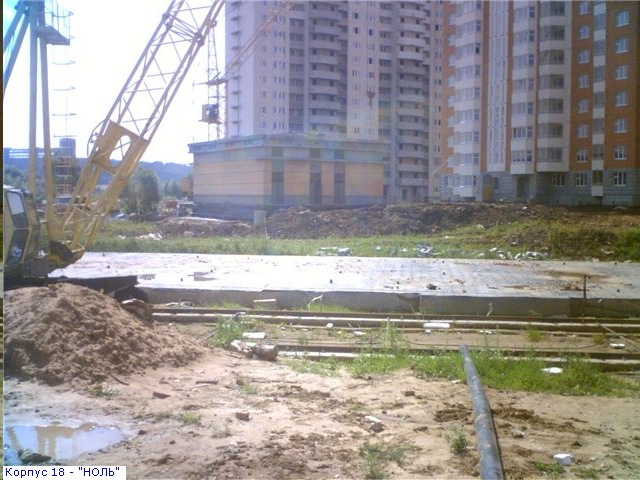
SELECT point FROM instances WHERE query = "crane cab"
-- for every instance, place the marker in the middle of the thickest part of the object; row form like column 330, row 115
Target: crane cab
column 21, row 227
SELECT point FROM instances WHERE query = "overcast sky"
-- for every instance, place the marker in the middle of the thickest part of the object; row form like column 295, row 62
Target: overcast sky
column 108, row 38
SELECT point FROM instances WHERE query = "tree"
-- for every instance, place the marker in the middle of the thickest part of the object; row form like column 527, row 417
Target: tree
column 141, row 194
column 172, row 189
column 14, row 176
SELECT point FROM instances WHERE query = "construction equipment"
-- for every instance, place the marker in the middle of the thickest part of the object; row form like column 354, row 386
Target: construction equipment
column 31, row 252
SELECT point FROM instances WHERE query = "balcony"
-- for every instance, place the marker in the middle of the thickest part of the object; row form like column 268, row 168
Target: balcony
column 466, row 169
column 522, row 168
column 465, row 192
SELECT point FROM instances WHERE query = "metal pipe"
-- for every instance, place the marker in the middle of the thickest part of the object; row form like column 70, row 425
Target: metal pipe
column 490, row 464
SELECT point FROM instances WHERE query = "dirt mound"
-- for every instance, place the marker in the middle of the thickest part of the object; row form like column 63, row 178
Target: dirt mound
column 64, row 333
column 300, row 222
column 201, row 227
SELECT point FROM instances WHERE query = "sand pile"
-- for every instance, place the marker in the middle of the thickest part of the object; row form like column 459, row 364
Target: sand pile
column 64, row 333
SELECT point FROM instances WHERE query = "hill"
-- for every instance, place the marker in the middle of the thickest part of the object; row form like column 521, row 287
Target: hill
column 165, row 171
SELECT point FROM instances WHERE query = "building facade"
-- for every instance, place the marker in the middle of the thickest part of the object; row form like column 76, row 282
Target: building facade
column 540, row 102
column 238, row 177
column 352, row 72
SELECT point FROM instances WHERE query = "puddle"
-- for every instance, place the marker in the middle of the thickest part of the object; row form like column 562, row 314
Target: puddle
column 56, row 441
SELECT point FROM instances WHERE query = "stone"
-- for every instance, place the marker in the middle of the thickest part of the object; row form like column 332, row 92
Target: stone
column 29, row 457
column 244, row 416
column 265, row 352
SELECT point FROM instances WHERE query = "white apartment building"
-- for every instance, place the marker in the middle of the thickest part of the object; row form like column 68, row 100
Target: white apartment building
column 353, row 70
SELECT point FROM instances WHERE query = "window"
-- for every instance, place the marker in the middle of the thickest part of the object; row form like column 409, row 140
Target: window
column 583, row 56
column 582, row 156
column 598, row 151
column 598, row 125
column 621, row 45
column 581, row 179
column 583, row 8
column 598, row 73
column 584, row 32
column 619, row 179
column 622, row 18
column 599, row 47
column 583, row 81
column 621, row 72
column 596, row 177
column 550, row 130
column 620, row 125
column 620, row 152
column 522, row 132
column 583, row 105
column 621, row 99
column 598, row 100
column 551, row 105
column 583, row 131
column 557, row 179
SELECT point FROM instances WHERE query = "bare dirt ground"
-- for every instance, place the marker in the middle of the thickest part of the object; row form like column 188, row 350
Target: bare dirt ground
column 302, row 425
column 185, row 411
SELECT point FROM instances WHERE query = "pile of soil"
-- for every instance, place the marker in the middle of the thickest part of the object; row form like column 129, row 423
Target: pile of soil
column 300, row 222
column 65, row 333
column 201, row 227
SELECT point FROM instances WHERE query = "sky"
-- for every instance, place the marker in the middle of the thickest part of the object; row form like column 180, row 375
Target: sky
column 107, row 39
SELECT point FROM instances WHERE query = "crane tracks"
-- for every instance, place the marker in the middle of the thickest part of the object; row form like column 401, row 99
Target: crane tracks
column 345, row 335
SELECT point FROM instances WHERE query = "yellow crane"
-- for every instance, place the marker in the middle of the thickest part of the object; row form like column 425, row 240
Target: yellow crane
column 116, row 145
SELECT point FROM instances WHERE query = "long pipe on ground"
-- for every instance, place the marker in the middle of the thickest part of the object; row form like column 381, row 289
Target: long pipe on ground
column 490, row 464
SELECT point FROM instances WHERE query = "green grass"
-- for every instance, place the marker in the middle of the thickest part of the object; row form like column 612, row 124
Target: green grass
column 377, row 455
column 392, row 355
column 560, row 240
column 525, row 374
column 231, row 329
column 324, row 368
column 458, row 442
column 189, row 418
column 534, row 335
column 551, row 469
column 100, row 391
column 249, row 388
column 591, row 473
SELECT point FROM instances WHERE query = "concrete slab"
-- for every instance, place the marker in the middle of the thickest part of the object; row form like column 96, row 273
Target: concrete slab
column 400, row 283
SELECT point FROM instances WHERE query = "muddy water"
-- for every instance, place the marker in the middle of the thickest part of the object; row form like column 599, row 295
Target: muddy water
column 57, row 441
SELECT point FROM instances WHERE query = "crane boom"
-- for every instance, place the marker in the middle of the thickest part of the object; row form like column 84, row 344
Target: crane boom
column 120, row 140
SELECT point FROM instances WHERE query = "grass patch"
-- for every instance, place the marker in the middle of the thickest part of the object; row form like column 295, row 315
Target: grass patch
column 377, row 455
column 458, row 442
column 447, row 365
column 249, row 388
column 599, row 338
column 578, row 377
column 392, row 354
column 324, row 368
column 189, row 418
column 497, row 371
column 100, row 391
column 231, row 329
column 164, row 415
column 221, row 432
column 551, row 469
column 534, row 335
column 556, row 238
column 588, row 472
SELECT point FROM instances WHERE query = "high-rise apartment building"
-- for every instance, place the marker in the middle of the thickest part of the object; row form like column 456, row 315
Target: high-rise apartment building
column 410, row 101
column 540, row 102
column 355, row 72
